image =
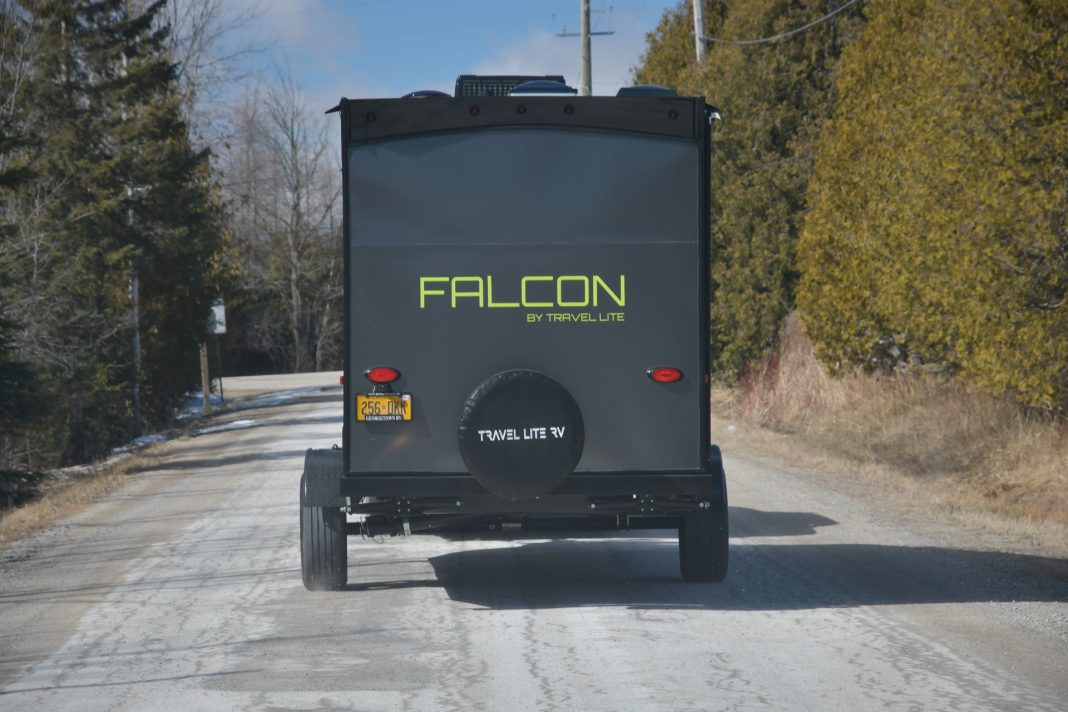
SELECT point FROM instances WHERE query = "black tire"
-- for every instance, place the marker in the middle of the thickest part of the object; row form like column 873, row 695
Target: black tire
column 703, row 540
column 324, row 560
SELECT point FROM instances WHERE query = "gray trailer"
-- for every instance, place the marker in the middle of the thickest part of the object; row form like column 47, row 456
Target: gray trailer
column 526, row 282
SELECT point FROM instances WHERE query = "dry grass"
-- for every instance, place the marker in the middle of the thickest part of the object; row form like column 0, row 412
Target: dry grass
column 67, row 493
column 985, row 453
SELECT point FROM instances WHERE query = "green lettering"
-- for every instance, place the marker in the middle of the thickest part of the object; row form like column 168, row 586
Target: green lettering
column 476, row 293
column 424, row 292
column 620, row 298
column 489, row 295
column 585, row 290
column 523, row 292
column 566, row 295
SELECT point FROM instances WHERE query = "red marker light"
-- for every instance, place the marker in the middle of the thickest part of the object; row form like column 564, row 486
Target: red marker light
column 664, row 374
column 343, row 379
column 381, row 374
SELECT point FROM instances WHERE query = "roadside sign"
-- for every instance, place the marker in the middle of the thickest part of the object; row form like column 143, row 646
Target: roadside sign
column 217, row 319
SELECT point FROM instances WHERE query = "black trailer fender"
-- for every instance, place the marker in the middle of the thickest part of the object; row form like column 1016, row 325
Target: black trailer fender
column 323, row 470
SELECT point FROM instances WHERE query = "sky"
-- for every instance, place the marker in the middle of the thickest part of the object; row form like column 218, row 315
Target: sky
column 387, row 48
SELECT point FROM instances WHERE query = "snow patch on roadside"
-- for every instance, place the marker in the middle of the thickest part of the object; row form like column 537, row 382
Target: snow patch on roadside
column 235, row 425
column 143, row 441
column 193, row 406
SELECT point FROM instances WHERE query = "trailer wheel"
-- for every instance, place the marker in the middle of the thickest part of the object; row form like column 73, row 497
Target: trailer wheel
column 323, row 547
column 703, row 540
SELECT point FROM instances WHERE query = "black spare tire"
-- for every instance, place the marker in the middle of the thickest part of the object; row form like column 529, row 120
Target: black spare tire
column 521, row 434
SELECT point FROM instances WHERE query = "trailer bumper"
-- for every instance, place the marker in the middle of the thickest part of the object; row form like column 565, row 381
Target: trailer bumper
column 599, row 494
column 409, row 485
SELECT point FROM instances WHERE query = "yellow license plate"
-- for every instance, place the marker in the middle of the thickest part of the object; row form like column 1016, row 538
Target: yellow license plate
column 377, row 407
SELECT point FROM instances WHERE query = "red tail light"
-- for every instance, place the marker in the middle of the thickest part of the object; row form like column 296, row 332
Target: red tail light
column 381, row 374
column 664, row 374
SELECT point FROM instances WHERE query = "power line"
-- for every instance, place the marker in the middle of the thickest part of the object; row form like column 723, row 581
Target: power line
column 784, row 34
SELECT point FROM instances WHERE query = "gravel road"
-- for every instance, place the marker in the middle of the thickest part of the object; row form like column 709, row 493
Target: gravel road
column 182, row 591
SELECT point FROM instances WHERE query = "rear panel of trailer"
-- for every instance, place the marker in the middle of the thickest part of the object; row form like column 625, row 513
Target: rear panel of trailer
column 564, row 236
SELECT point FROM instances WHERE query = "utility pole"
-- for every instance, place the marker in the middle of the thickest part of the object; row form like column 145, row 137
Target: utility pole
column 699, row 29
column 586, row 85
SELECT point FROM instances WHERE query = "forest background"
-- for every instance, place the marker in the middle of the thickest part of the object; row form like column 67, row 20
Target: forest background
column 889, row 235
column 889, row 203
column 137, row 189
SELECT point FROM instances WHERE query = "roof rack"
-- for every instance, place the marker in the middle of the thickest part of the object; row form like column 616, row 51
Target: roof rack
column 468, row 85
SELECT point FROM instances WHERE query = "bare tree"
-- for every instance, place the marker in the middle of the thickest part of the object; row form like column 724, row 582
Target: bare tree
column 212, row 42
column 17, row 45
column 282, row 182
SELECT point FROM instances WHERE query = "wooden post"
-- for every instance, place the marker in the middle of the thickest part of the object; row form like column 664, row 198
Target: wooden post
column 205, row 377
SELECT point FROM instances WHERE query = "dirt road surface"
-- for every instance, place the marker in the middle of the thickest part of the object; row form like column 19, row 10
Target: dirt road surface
column 182, row 591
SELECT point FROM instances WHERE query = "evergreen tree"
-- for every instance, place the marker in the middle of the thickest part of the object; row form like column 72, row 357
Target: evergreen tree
column 22, row 398
column 117, row 193
column 172, row 224
column 668, row 60
column 773, row 98
column 938, row 232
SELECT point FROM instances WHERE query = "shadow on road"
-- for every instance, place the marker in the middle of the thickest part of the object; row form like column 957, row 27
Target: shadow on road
column 329, row 395
column 97, row 592
column 335, row 420
column 644, row 573
column 746, row 522
column 15, row 691
column 393, row 585
column 217, row 462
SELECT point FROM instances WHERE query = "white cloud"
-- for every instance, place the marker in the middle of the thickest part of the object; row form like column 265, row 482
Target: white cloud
column 541, row 52
column 299, row 21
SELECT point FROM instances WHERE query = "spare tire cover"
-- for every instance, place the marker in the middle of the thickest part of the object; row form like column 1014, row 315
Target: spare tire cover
column 521, row 434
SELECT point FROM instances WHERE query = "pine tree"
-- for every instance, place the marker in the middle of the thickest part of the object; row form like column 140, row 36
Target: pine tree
column 22, row 400
column 117, row 192
column 774, row 98
column 173, row 225
column 668, row 60
column 938, row 234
